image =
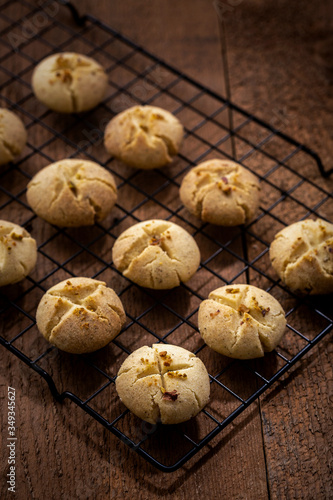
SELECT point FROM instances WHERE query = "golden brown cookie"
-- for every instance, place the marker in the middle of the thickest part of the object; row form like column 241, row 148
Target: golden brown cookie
column 163, row 383
column 302, row 256
column 241, row 321
column 69, row 83
column 13, row 136
column 156, row 254
column 221, row 192
column 144, row 137
column 18, row 253
column 72, row 193
column 80, row 315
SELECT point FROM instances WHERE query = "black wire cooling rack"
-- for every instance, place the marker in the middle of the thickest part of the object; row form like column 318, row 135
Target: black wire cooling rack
column 289, row 176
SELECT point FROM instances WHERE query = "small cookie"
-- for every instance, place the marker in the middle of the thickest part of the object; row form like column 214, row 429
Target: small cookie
column 69, row 82
column 13, row 136
column 144, row 137
column 156, row 254
column 220, row 192
column 18, row 253
column 241, row 321
column 72, row 193
column 163, row 383
column 302, row 256
column 80, row 315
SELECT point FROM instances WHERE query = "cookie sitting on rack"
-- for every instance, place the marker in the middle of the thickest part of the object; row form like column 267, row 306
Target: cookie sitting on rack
column 302, row 256
column 163, row 383
column 144, row 137
column 221, row 192
column 156, row 254
column 69, row 83
column 80, row 315
column 241, row 321
column 72, row 193
column 18, row 251
column 13, row 136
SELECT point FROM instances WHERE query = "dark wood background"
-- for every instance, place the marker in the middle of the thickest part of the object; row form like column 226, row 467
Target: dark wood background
column 281, row 69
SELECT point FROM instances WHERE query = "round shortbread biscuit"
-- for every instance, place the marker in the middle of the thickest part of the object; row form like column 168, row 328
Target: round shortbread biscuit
column 302, row 256
column 80, row 315
column 72, row 193
column 18, row 253
column 163, row 383
column 144, row 137
column 241, row 321
column 69, row 83
column 220, row 192
column 156, row 254
column 13, row 136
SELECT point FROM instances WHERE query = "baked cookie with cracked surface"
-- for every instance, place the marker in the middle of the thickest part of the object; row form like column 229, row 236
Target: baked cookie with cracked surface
column 18, row 253
column 144, row 137
column 163, row 383
column 302, row 256
column 80, row 315
column 72, row 193
column 69, row 83
column 156, row 254
column 241, row 321
column 220, row 192
column 13, row 136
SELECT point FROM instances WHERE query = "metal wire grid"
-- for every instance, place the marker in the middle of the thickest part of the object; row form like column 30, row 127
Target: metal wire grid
column 239, row 255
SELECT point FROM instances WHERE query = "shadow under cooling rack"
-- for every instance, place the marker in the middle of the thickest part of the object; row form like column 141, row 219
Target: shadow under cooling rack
column 293, row 187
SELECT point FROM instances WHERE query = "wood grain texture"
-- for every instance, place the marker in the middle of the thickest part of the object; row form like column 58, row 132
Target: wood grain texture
column 280, row 69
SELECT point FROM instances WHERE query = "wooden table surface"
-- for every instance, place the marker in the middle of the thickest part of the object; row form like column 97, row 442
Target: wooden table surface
column 280, row 64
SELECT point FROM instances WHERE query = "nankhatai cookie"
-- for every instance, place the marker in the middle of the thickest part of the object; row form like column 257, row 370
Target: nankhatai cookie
column 72, row 193
column 156, row 254
column 13, row 136
column 69, row 83
column 241, row 321
column 18, row 253
column 80, row 315
column 302, row 256
column 220, row 192
column 163, row 383
column 144, row 137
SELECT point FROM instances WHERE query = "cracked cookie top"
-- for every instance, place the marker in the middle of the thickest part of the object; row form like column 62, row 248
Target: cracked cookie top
column 156, row 254
column 302, row 256
column 220, row 192
column 163, row 383
column 80, row 315
column 69, row 82
column 72, row 193
column 144, row 137
column 13, row 136
column 18, row 253
column 241, row 321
